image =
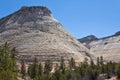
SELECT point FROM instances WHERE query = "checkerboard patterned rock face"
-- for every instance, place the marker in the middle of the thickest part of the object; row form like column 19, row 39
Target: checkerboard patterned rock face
column 35, row 32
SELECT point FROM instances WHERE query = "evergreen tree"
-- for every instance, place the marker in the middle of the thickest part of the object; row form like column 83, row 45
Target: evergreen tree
column 102, row 65
column 101, row 60
column 62, row 65
column 39, row 74
column 118, row 70
column 85, row 63
column 93, row 74
column 92, row 64
column 8, row 69
column 8, row 75
column 23, row 69
column 40, row 71
column 72, row 63
column 48, row 67
column 33, row 69
column 98, row 61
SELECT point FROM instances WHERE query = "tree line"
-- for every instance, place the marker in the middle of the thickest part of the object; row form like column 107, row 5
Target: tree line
column 85, row 71
column 88, row 70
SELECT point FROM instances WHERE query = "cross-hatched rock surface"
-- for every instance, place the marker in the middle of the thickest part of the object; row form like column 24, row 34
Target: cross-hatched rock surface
column 35, row 32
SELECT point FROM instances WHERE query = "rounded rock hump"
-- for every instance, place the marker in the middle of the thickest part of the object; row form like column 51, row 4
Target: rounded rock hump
column 36, row 33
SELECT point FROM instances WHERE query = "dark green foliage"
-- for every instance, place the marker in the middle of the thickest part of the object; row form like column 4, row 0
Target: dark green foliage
column 62, row 65
column 101, row 65
column 23, row 69
column 36, row 71
column 85, row 69
column 57, row 75
column 72, row 63
column 8, row 70
column 98, row 61
column 48, row 67
column 40, row 71
column 118, row 70
column 7, row 75
column 33, row 69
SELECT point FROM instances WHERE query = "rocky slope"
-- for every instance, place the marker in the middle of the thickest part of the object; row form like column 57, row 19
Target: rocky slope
column 35, row 32
column 108, row 47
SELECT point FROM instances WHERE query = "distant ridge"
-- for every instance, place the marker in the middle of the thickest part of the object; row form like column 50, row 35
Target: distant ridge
column 88, row 39
column 108, row 47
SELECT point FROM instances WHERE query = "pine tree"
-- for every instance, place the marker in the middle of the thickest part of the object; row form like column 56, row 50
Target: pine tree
column 48, row 67
column 118, row 70
column 8, row 75
column 23, row 69
column 92, row 64
column 101, row 60
column 8, row 69
column 33, row 69
column 85, row 63
column 72, row 63
column 40, row 71
column 62, row 65
column 102, row 65
column 98, row 61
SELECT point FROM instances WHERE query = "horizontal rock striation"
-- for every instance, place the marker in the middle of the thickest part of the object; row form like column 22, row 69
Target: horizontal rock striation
column 36, row 33
column 108, row 47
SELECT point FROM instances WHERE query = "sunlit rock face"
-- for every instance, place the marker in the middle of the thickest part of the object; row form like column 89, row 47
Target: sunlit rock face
column 108, row 47
column 36, row 33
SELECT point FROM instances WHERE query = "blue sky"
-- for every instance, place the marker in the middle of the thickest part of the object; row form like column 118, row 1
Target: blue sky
column 79, row 17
